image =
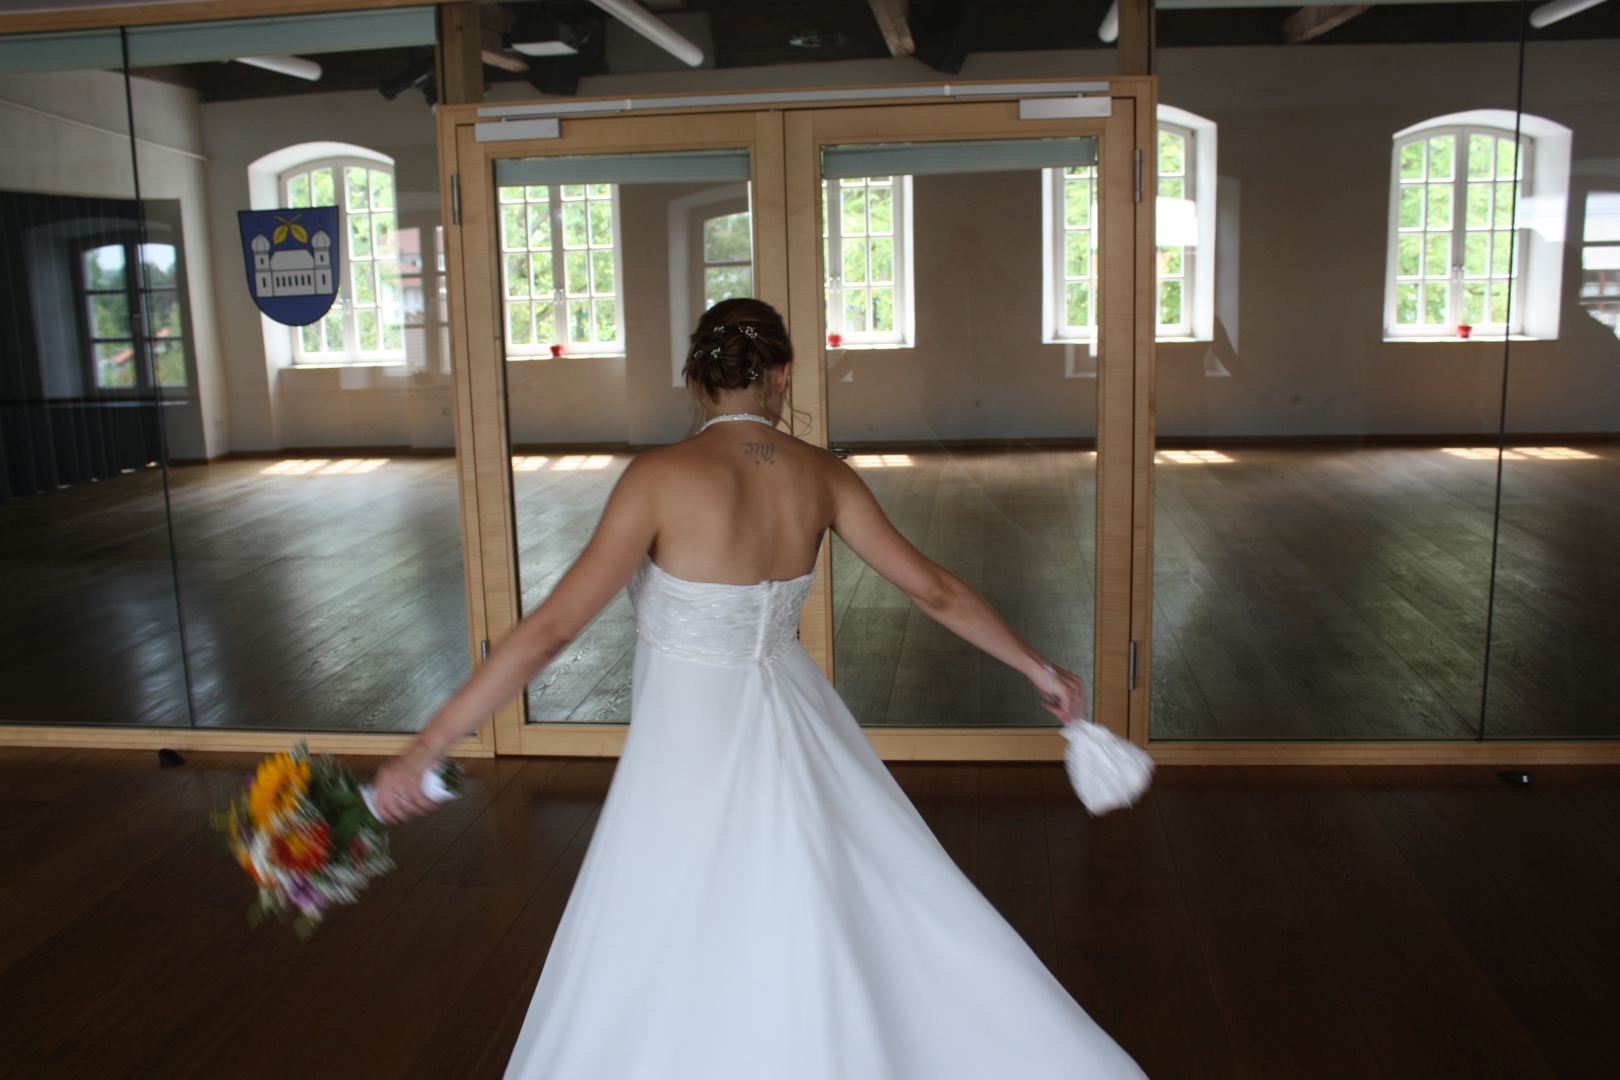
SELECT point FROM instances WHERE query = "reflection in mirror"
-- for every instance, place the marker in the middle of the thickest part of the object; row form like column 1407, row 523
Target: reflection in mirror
column 316, row 515
column 1322, row 521
column 94, row 351
column 961, row 373
column 1555, row 623
column 606, row 264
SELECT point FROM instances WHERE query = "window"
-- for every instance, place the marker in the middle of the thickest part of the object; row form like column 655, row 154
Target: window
column 1457, row 232
column 728, row 258
column 365, row 323
column 1185, row 223
column 1072, row 261
column 866, row 238
column 111, row 293
column 1476, row 227
column 1600, row 258
column 560, row 270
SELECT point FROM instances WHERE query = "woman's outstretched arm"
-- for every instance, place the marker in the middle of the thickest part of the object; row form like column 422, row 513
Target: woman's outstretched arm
column 860, row 522
column 622, row 537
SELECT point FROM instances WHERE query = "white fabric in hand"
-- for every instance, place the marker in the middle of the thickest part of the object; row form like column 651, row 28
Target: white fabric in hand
column 433, row 787
column 1107, row 772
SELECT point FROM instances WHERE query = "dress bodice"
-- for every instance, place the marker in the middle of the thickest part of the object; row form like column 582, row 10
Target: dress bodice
column 714, row 622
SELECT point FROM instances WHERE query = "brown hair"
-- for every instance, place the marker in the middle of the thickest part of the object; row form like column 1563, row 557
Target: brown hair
column 736, row 344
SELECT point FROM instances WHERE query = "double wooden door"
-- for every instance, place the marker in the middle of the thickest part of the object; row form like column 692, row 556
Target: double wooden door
column 967, row 276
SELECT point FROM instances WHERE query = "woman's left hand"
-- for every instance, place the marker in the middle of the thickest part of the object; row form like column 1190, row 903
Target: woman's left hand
column 396, row 790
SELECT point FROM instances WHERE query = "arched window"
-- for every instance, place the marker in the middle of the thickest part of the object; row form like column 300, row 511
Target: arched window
column 365, row 324
column 1185, row 224
column 1476, row 227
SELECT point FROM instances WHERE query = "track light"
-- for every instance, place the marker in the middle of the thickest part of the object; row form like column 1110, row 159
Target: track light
column 296, row 66
column 1109, row 30
column 1547, row 14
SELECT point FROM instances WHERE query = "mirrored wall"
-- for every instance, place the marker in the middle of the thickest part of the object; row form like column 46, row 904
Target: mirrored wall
column 229, row 442
column 961, row 287
column 606, row 262
column 1386, row 496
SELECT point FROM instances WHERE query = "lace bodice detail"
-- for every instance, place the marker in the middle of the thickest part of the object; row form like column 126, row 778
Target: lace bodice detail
column 716, row 623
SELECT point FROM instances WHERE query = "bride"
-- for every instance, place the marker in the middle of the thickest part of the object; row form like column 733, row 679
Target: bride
column 760, row 901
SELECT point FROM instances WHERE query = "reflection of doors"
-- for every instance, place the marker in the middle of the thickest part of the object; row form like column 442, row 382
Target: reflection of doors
column 1124, row 350
column 699, row 227
column 765, row 237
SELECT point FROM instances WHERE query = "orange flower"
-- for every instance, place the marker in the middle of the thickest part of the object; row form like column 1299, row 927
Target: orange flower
column 280, row 783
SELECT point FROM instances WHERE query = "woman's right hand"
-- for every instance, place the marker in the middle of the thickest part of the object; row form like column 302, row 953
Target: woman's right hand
column 396, row 790
column 1063, row 693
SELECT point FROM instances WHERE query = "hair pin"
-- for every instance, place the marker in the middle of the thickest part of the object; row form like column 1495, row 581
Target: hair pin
column 750, row 331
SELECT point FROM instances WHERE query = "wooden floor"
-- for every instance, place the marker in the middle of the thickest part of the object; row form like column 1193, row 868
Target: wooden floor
column 1312, row 923
column 312, row 600
column 1304, row 592
column 1300, row 593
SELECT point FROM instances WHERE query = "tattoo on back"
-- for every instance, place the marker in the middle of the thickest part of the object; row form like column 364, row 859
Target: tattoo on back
column 761, row 452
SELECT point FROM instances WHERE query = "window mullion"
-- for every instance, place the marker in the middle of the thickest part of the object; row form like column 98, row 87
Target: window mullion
column 559, row 266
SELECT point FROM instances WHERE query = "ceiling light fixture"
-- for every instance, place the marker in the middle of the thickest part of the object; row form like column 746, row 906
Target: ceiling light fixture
column 544, row 48
column 1547, row 14
column 296, row 66
column 818, row 39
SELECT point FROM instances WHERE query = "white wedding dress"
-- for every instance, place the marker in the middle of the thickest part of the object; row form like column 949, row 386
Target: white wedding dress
column 760, row 900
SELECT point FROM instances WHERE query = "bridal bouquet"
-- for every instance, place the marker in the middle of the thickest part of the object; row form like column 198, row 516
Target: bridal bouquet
column 305, row 832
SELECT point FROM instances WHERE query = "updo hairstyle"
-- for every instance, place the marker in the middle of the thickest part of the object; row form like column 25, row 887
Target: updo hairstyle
column 737, row 344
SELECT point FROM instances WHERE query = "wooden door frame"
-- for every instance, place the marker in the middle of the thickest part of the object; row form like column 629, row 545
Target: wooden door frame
column 784, row 145
column 489, row 527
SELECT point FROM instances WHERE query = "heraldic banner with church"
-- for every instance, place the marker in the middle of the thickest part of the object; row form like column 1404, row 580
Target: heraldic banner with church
column 292, row 261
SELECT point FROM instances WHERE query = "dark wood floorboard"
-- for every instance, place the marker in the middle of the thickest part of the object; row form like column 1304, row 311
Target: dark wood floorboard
column 1237, row 922
column 1299, row 593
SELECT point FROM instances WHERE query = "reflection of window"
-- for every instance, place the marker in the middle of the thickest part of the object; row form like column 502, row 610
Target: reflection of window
column 1600, row 258
column 728, row 258
column 560, row 270
column 1456, row 238
column 1185, row 225
column 111, row 293
column 1071, row 201
column 866, row 226
column 365, row 324
column 1175, row 256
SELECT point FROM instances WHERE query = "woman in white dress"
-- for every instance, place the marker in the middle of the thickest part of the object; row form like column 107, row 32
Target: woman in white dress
column 760, row 901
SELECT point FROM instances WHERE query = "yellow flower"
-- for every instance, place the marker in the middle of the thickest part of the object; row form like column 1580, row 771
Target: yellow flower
column 280, row 783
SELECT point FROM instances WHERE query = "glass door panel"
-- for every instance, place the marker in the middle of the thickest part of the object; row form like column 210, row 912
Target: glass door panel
column 603, row 251
column 961, row 296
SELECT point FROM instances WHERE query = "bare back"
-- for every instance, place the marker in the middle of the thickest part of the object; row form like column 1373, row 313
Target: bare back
column 740, row 503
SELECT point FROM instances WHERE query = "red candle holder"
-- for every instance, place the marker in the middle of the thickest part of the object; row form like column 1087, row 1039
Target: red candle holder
column 556, row 351
column 1464, row 331
column 835, row 341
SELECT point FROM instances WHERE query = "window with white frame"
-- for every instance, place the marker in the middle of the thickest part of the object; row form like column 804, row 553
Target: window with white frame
column 1456, row 257
column 866, row 237
column 560, row 270
column 365, row 324
column 1600, row 258
column 728, row 257
column 1476, row 227
column 1072, row 261
column 1184, row 156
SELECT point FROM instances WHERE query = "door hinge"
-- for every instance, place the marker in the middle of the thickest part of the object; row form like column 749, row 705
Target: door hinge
column 483, row 650
column 1139, row 174
column 455, row 192
column 1130, row 676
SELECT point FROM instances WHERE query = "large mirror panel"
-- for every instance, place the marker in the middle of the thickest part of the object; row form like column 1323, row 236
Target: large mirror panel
column 962, row 287
column 1555, row 623
column 1334, row 251
column 606, row 262
column 314, row 487
column 90, row 371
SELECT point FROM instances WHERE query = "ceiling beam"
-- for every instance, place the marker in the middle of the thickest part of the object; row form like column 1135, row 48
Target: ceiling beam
column 1313, row 22
column 893, row 19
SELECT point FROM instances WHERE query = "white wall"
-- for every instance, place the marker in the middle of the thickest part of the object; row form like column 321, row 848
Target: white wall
column 275, row 407
column 54, row 154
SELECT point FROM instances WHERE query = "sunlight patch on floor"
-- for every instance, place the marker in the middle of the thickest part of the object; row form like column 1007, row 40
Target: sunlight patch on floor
column 881, row 461
column 1191, row 457
column 1521, row 453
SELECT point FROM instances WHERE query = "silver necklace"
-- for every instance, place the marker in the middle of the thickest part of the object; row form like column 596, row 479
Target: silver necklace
column 713, row 420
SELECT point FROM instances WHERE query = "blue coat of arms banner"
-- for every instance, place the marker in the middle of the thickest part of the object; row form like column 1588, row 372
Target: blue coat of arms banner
column 292, row 261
